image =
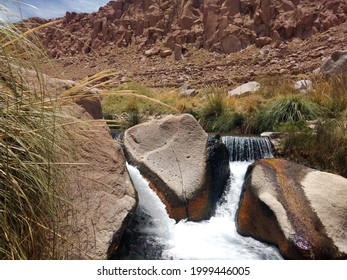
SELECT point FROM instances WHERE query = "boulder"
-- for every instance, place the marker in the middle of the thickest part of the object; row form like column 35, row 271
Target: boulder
column 88, row 98
column 92, row 104
column 303, row 86
column 245, row 88
column 165, row 53
column 231, row 44
column 152, row 52
column 172, row 154
column 69, row 16
column 262, row 41
column 187, row 90
column 100, row 194
column 336, row 64
column 178, row 55
column 301, row 210
column 276, row 140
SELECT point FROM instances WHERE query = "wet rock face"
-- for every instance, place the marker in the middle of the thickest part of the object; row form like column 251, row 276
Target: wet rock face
column 172, row 154
column 218, row 171
column 223, row 26
column 301, row 210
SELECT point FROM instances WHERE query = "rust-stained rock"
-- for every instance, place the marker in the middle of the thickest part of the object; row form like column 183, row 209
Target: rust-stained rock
column 172, row 153
column 301, row 210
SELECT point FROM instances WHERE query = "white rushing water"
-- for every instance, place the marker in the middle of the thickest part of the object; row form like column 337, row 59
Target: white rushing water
column 215, row 238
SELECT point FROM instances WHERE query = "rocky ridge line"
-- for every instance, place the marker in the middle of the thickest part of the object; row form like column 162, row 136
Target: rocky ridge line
column 223, row 26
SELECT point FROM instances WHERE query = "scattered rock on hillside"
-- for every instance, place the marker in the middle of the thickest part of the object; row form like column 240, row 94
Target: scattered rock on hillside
column 222, row 26
column 301, row 210
column 172, row 154
column 245, row 88
column 178, row 55
column 102, row 198
column 304, row 86
column 284, row 57
column 187, row 90
column 152, row 52
column 262, row 41
column 335, row 64
column 165, row 53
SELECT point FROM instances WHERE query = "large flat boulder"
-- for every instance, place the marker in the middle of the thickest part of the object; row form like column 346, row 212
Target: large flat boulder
column 172, row 153
column 100, row 195
column 301, row 210
column 336, row 64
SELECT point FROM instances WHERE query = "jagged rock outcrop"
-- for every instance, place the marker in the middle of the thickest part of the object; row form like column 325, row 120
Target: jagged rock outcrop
column 224, row 26
column 336, row 64
column 301, row 210
column 174, row 155
column 101, row 198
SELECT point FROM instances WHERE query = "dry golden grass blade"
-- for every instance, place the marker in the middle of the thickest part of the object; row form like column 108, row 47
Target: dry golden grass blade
column 81, row 90
column 64, row 238
column 31, row 178
column 130, row 93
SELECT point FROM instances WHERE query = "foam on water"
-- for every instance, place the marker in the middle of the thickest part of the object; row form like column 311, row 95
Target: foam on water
column 216, row 238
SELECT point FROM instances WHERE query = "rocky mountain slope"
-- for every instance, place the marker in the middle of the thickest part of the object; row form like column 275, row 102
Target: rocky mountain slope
column 223, row 26
column 290, row 33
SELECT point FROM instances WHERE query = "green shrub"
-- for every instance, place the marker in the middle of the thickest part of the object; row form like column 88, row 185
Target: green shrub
column 325, row 148
column 224, row 123
column 337, row 98
column 137, row 87
column 287, row 109
column 292, row 126
column 133, row 116
column 119, row 101
column 215, row 104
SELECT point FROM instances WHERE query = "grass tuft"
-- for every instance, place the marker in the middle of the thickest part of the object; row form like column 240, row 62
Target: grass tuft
column 215, row 115
column 31, row 152
column 292, row 109
column 324, row 149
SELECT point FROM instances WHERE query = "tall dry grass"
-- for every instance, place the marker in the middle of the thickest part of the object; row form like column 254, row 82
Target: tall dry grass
column 31, row 153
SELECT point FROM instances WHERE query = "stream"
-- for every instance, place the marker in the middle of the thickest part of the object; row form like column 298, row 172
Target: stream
column 154, row 235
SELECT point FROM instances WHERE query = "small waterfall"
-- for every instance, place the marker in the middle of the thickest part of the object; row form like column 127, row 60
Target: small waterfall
column 248, row 148
column 151, row 227
column 153, row 235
